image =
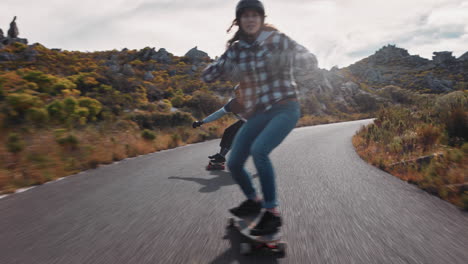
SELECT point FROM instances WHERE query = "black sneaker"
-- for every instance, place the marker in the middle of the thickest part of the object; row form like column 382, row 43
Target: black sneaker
column 218, row 158
column 269, row 224
column 247, row 208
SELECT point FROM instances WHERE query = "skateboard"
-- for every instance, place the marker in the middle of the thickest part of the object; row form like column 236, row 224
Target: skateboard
column 271, row 243
column 215, row 166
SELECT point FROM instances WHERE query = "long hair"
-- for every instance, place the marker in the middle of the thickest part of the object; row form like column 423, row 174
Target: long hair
column 240, row 34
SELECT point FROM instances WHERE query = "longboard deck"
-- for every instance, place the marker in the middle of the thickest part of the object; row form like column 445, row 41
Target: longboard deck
column 271, row 242
column 245, row 226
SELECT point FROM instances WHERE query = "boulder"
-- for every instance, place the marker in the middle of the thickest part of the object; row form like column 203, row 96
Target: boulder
column 162, row 56
column 128, row 70
column 195, row 55
column 148, row 76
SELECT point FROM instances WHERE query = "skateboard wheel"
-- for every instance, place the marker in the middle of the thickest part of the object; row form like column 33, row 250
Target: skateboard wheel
column 245, row 248
column 282, row 249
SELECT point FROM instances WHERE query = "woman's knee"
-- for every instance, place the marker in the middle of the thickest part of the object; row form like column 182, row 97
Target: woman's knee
column 258, row 151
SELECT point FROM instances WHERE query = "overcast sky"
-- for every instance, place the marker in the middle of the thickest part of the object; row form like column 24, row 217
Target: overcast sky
column 338, row 32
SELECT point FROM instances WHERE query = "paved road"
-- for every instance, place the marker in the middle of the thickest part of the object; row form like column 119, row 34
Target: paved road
column 165, row 208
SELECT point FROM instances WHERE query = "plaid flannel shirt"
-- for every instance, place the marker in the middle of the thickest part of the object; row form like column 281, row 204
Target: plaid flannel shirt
column 264, row 69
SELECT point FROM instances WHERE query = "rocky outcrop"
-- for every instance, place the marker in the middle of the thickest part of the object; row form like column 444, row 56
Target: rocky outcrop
column 162, row 56
column 12, row 36
column 391, row 65
column 439, row 85
column 30, row 53
column 320, row 90
column 13, row 32
column 195, row 56
column 463, row 57
column 443, row 57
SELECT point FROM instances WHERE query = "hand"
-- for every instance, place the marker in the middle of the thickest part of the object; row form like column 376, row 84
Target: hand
column 197, row 124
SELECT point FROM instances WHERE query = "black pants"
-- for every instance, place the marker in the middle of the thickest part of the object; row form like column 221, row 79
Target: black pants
column 229, row 134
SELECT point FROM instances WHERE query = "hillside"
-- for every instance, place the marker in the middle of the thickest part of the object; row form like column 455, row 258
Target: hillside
column 65, row 111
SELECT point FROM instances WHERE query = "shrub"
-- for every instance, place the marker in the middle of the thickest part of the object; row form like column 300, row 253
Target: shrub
column 69, row 105
column 56, row 110
column 429, row 135
column 62, row 84
column 148, row 135
column 69, row 141
column 20, row 103
column 203, row 103
column 38, row 116
column 43, row 81
column 457, row 125
column 14, row 143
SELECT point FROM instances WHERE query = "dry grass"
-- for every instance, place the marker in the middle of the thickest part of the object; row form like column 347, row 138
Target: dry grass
column 444, row 175
column 44, row 159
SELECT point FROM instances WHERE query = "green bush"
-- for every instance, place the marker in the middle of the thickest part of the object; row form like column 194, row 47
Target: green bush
column 56, row 110
column 203, row 103
column 38, row 116
column 69, row 141
column 62, row 84
column 20, row 103
column 14, row 143
column 69, row 105
column 94, row 107
column 160, row 120
column 148, row 135
column 43, row 81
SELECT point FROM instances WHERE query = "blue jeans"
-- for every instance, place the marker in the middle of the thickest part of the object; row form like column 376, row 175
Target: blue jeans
column 258, row 137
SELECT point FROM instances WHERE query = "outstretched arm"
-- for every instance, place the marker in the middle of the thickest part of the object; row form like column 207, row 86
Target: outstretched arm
column 224, row 66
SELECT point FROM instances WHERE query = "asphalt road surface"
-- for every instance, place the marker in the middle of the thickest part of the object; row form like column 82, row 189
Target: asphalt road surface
column 166, row 208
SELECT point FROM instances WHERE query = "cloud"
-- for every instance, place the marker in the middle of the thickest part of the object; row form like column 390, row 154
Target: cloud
column 339, row 32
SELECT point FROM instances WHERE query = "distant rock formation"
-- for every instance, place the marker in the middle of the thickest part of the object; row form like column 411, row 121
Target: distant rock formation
column 162, row 56
column 195, row 55
column 12, row 36
column 391, row 65
column 443, row 57
column 13, row 32
column 463, row 57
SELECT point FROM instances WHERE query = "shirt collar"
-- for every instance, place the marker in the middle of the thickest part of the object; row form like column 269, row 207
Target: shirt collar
column 258, row 42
